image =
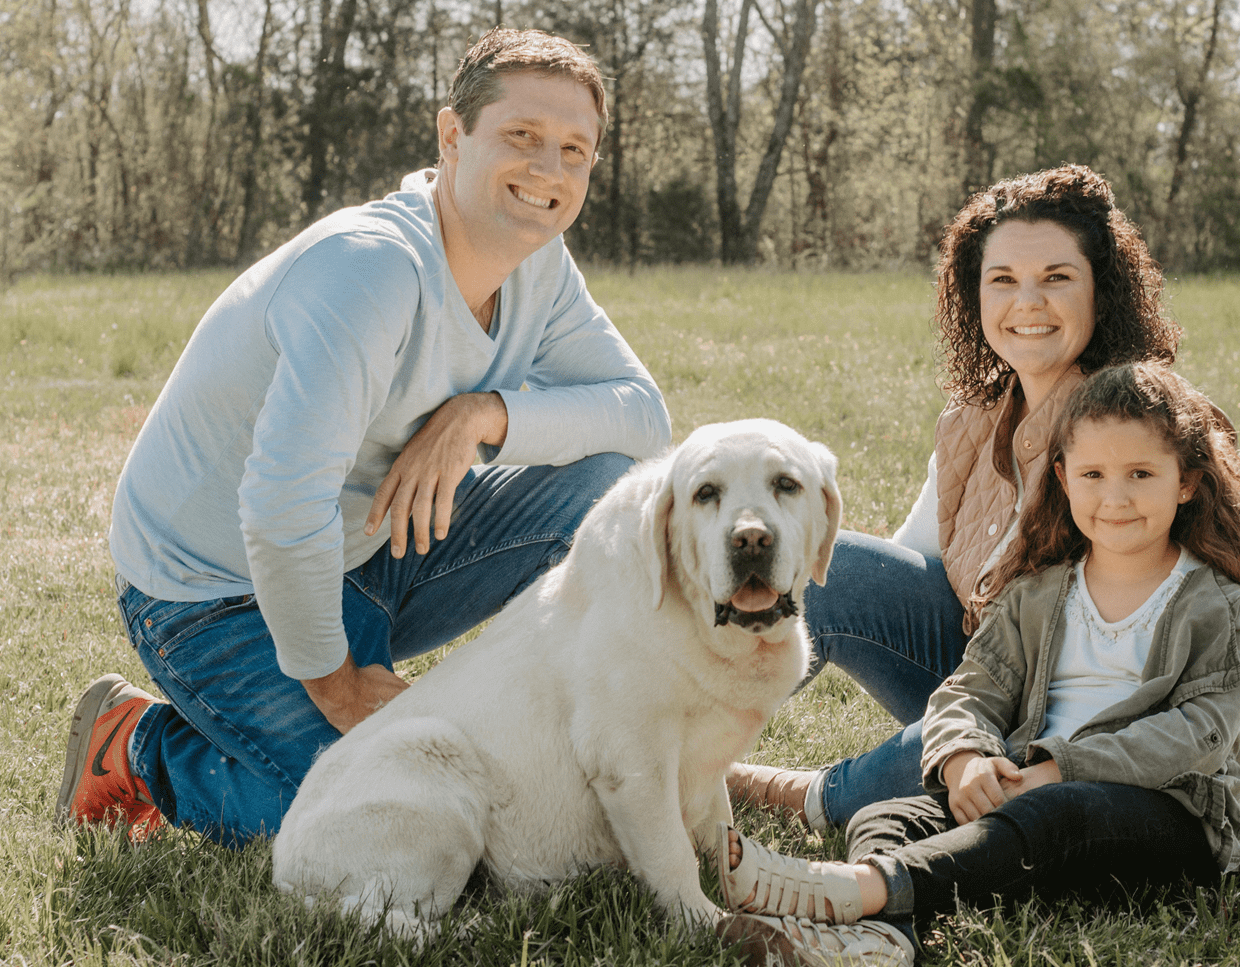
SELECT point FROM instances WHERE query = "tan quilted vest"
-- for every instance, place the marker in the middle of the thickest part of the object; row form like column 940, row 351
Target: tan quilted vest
column 977, row 488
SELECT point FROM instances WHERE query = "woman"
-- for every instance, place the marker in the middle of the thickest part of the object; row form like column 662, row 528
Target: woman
column 1041, row 281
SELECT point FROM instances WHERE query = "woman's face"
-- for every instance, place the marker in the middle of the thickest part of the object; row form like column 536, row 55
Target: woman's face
column 1037, row 302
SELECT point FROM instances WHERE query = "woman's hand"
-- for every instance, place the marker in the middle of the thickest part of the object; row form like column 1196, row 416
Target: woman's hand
column 1030, row 777
column 975, row 784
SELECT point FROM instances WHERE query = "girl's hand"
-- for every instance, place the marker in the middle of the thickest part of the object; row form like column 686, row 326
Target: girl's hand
column 1030, row 777
column 975, row 784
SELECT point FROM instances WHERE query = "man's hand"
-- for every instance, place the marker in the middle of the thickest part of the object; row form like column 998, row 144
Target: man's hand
column 349, row 694
column 423, row 479
column 1030, row 777
column 974, row 784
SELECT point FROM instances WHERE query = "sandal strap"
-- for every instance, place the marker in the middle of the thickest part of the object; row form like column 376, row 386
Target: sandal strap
column 784, row 886
column 870, row 942
column 873, row 943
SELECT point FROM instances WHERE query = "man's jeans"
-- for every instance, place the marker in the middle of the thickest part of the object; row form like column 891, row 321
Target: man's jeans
column 1100, row 839
column 889, row 618
column 227, row 755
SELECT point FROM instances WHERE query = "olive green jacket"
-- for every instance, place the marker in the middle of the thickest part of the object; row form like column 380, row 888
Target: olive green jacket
column 1178, row 732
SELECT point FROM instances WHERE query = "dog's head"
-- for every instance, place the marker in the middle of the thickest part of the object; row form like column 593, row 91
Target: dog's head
column 746, row 514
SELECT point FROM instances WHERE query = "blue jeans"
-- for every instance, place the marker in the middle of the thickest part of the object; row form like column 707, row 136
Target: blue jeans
column 1100, row 839
column 226, row 755
column 889, row 618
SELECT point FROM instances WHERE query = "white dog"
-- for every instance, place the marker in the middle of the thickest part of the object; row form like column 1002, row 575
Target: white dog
column 592, row 722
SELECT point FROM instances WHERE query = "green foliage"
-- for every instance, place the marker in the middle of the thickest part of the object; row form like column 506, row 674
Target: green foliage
column 136, row 137
column 682, row 224
column 846, row 358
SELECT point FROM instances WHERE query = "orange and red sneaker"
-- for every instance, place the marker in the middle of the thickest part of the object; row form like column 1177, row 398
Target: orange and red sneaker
column 98, row 785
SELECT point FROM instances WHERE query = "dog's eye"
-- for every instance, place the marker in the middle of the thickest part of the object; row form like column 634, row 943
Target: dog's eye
column 706, row 493
column 787, row 485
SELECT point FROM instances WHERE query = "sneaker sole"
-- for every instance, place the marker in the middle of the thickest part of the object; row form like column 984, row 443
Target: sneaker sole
column 85, row 715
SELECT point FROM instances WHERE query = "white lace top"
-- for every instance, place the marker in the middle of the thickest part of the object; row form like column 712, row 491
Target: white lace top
column 1102, row 661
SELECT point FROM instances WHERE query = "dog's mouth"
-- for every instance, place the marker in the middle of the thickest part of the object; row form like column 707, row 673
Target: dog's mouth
column 755, row 603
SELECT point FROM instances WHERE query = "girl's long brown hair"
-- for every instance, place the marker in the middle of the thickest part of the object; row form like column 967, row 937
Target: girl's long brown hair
column 1192, row 427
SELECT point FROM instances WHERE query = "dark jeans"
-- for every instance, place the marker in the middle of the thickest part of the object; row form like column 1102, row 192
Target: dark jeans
column 889, row 618
column 226, row 756
column 1097, row 838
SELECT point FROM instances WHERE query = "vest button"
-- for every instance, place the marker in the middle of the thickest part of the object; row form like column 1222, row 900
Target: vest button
column 1028, row 445
column 992, row 529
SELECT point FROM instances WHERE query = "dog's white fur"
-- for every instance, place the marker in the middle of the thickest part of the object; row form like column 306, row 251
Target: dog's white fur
column 592, row 722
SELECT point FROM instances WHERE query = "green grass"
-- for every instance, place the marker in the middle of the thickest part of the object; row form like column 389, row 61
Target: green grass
column 846, row 359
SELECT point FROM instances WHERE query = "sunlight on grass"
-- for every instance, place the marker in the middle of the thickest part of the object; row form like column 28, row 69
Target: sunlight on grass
column 846, row 359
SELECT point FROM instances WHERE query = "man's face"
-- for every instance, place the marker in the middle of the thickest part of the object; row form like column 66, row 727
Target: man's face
column 522, row 175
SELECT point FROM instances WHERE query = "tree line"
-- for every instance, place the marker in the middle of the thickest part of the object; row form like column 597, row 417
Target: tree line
column 807, row 133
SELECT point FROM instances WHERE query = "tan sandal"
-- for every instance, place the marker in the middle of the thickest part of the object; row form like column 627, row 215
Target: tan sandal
column 802, row 943
column 783, row 886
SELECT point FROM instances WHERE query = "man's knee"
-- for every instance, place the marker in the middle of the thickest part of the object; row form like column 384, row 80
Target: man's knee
column 596, row 474
column 582, row 484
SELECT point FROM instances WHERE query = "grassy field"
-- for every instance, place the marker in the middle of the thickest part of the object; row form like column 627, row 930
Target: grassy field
column 845, row 359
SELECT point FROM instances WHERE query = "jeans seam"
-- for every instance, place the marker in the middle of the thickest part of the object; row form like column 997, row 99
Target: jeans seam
column 854, row 636
column 548, row 537
column 458, row 564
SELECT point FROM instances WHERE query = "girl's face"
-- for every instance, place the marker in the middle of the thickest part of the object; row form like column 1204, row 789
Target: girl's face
column 1124, row 485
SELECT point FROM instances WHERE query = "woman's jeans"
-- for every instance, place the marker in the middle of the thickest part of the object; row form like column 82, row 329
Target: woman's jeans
column 1096, row 838
column 226, row 756
column 889, row 618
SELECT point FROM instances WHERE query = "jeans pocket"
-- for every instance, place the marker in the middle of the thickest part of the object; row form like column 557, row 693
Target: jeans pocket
column 165, row 625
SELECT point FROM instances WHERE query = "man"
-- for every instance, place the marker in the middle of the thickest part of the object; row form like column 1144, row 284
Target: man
column 352, row 374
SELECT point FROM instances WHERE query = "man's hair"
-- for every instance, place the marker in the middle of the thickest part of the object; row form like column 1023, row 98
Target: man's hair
column 1129, row 322
column 478, row 80
column 1189, row 425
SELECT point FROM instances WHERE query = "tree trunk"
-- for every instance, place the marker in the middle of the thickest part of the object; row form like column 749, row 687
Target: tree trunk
column 739, row 230
column 794, row 69
column 325, row 106
column 247, row 234
column 817, row 139
column 1190, row 96
column 615, row 190
column 982, row 50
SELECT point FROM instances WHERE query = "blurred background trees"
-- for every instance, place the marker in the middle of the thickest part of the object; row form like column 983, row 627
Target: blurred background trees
column 808, row 133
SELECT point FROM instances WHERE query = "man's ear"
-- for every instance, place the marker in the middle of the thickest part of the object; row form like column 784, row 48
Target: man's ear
column 450, row 131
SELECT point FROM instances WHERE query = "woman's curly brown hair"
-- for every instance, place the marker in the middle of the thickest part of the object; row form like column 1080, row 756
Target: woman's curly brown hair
column 1129, row 322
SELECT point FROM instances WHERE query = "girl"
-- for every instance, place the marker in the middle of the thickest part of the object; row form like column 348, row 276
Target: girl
column 1090, row 736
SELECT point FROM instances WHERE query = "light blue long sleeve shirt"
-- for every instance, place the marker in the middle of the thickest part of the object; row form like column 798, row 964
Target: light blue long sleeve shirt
column 255, row 470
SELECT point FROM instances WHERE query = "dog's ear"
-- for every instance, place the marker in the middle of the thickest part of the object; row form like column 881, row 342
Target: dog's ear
column 654, row 536
column 827, row 464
